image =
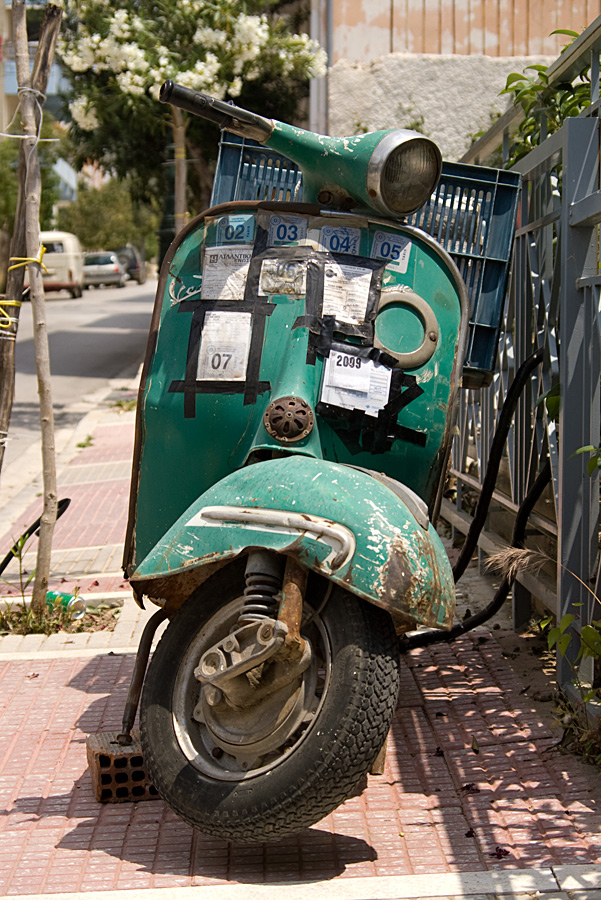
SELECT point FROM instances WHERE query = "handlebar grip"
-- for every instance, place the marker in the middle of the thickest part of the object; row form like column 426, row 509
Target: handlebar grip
column 225, row 115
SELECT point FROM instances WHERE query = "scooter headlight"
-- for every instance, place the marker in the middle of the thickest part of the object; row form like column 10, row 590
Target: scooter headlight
column 403, row 171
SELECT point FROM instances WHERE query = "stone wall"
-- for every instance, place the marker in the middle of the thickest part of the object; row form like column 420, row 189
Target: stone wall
column 449, row 98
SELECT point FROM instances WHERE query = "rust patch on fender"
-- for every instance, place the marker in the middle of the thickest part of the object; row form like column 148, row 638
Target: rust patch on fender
column 411, row 587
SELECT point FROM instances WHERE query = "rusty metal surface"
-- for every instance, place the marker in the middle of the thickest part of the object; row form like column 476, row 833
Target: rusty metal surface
column 289, row 419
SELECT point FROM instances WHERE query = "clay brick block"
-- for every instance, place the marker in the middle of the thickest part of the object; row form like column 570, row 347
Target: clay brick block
column 118, row 772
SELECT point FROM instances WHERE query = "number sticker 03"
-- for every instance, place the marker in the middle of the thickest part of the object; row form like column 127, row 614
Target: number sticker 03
column 286, row 230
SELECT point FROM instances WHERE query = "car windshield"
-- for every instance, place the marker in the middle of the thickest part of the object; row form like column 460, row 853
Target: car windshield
column 54, row 247
column 99, row 259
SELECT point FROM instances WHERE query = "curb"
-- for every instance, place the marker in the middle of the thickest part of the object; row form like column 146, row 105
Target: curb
column 539, row 883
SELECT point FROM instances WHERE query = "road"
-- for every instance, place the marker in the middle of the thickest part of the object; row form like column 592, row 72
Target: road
column 92, row 340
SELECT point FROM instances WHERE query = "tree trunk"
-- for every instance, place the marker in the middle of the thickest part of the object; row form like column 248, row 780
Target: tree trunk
column 14, row 281
column 31, row 187
column 179, row 141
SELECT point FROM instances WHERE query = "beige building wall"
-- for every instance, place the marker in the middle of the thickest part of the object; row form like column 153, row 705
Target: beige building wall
column 365, row 29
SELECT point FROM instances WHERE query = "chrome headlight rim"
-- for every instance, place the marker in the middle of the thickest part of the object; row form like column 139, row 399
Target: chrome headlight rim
column 375, row 170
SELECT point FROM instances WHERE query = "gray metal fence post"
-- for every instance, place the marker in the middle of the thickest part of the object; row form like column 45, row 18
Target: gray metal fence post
column 579, row 377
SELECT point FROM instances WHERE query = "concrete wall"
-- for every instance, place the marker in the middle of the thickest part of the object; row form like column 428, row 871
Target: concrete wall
column 451, row 96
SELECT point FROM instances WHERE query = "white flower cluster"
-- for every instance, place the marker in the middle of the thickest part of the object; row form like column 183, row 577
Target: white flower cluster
column 251, row 33
column 206, row 45
column 83, row 114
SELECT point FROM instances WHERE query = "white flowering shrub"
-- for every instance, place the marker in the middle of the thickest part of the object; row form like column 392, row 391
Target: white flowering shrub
column 133, row 46
column 117, row 53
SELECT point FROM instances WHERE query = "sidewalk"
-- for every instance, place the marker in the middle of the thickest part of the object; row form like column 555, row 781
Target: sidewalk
column 475, row 800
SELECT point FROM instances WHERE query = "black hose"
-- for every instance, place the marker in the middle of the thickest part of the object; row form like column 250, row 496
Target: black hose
column 14, row 550
column 494, row 460
column 425, row 638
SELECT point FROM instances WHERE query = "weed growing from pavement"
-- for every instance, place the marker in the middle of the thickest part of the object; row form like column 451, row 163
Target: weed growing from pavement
column 87, row 442
column 125, row 405
column 18, row 618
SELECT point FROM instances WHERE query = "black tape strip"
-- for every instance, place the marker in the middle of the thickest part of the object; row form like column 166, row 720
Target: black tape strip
column 403, row 390
column 212, row 387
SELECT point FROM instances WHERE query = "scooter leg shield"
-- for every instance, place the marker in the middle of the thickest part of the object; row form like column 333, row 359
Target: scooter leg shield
column 363, row 531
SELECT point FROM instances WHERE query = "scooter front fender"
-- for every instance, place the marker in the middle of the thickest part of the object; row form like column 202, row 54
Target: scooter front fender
column 364, row 531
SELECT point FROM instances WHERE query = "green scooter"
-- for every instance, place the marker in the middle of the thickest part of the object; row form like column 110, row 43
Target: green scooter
column 296, row 412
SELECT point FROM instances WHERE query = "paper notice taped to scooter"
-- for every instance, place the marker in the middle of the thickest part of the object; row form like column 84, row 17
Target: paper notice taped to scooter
column 224, row 272
column 346, row 292
column 224, row 347
column 352, row 382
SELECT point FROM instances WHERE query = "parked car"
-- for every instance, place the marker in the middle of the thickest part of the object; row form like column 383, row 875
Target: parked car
column 103, row 268
column 132, row 262
column 64, row 261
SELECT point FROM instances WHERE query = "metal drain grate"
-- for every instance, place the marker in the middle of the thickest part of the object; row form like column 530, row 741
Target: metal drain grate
column 118, row 772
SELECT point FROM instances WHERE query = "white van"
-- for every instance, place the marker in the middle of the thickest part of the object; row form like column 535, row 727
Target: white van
column 64, row 260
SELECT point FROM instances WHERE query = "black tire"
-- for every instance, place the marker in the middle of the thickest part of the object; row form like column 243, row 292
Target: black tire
column 322, row 762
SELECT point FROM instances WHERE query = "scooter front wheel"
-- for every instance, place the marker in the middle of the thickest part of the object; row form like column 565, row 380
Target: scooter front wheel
column 271, row 768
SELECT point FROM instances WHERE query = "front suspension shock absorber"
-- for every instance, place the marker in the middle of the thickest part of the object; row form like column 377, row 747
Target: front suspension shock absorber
column 263, row 575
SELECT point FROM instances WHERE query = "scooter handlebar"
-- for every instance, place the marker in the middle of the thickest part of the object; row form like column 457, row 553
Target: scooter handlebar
column 226, row 115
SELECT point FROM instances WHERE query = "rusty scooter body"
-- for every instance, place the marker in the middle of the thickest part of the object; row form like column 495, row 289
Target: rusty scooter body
column 295, row 417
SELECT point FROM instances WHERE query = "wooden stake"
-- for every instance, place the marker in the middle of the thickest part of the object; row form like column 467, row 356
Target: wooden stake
column 31, row 100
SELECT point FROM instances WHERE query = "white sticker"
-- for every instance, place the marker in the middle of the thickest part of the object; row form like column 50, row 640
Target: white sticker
column 346, row 292
column 287, row 230
column 224, row 272
column 395, row 247
column 350, row 386
column 224, row 346
column 340, row 239
column 283, row 276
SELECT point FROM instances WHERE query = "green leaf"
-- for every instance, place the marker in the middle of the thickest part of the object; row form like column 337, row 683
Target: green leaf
column 563, row 643
column 591, row 641
column 593, row 463
column 552, row 637
column 513, row 77
column 538, row 68
column 566, row 31
column 588, row 449
column 566, row 621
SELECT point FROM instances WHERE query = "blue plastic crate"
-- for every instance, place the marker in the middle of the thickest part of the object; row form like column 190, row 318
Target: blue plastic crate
column 471, row 213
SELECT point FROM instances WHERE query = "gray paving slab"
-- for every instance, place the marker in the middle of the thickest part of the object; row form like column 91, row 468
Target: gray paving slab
column 421, row 887
column 578, row 878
